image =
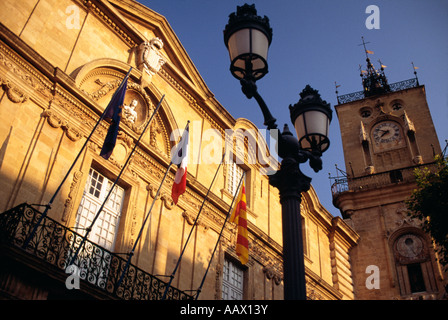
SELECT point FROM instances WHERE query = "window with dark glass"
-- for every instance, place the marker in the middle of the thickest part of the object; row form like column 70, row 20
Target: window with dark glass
column 396, row 176
column 416, row 277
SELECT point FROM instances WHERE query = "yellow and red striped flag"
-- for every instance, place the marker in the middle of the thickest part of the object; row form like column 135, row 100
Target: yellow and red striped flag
column 239, row 217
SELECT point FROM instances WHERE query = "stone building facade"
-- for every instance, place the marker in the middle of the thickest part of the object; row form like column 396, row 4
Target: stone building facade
column 60, row 63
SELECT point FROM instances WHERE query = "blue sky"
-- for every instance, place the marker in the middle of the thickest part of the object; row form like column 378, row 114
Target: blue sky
column 317, row 43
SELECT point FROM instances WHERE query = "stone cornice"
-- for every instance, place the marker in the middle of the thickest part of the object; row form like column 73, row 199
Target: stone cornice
column 104, row 12
column 350, row 201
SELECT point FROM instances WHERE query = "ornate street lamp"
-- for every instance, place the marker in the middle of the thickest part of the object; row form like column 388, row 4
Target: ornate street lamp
column 247, row 37
column 311, row 118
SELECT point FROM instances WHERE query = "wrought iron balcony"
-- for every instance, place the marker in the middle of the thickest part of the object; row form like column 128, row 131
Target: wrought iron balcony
column 376, row 180
column 397, row 86
column 55, row 244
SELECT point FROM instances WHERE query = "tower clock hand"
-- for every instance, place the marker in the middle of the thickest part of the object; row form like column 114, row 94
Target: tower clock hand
column 384, row 133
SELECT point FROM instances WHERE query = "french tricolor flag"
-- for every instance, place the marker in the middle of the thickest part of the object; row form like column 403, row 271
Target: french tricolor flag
column 180, row 158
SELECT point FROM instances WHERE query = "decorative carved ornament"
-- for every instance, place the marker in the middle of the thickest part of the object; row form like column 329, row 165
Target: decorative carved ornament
column 273, row 274
column 137, row 106
column 12, row 92
column 408, row 124
column 363, row 136
column 56, row 121
column 404, row 220
column 99, row 79
column 149, row 57
column 165, row 197
column 74, row 186
column 190, row 219
column 17, row 69
column 100, row 83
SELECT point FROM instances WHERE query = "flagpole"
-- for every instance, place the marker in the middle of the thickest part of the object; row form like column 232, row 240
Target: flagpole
column 48, row 206
column 128, row 262
column 219, row 237
column 115, row 182
column 191, row 231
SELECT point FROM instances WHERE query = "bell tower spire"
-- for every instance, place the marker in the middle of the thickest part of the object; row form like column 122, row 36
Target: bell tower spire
column 374, row 82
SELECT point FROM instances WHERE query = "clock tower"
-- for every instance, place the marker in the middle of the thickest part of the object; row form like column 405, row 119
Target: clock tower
column 387, row 132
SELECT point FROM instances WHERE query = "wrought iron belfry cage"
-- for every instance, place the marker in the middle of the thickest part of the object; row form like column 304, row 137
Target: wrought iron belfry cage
column 54, row 244
column 393, row 87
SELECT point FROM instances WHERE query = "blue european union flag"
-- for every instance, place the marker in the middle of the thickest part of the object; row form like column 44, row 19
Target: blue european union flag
column 113, row 112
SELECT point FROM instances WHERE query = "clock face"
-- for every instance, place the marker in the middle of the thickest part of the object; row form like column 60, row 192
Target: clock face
column 386, row 132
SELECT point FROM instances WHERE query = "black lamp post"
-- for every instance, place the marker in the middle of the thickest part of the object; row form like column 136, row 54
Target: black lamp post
column 247, row 37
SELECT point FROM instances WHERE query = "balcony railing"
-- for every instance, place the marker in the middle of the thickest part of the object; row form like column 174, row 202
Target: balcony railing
column 376, row 180
column 55, row 244
column 397, row 86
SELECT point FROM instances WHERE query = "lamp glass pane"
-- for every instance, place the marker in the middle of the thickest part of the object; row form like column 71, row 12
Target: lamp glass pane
column 300, row 127
column 260, row 44
column 239, row 43
column 315, row 133
column 316, row 122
